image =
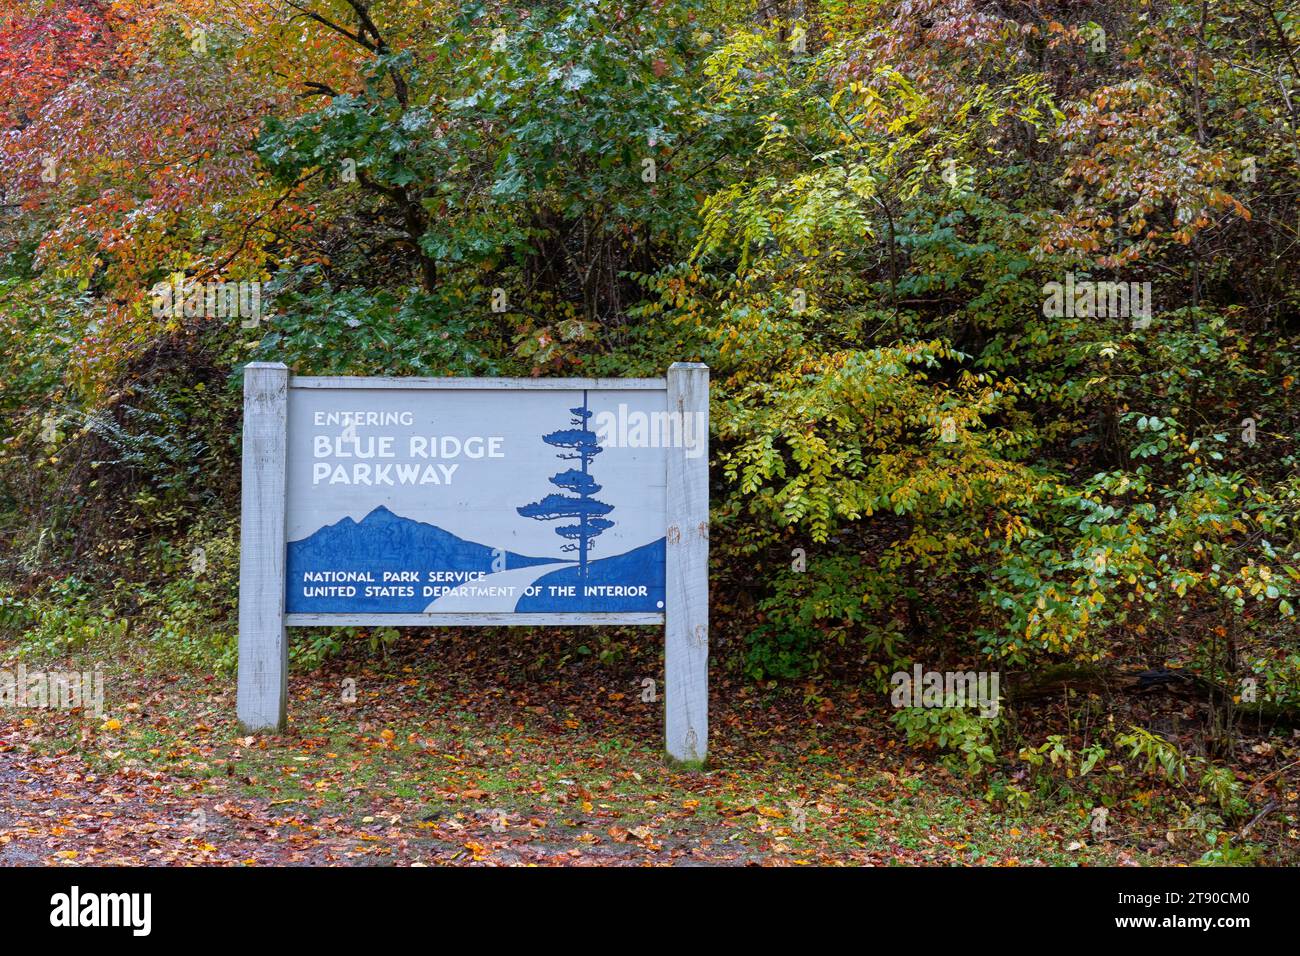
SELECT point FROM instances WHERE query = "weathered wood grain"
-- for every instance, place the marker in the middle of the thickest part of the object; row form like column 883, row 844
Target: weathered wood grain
column 263, row 647
column 686, row 611
column 520, row 384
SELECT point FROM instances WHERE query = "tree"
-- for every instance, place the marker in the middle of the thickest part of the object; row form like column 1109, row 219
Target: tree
column 580, row 504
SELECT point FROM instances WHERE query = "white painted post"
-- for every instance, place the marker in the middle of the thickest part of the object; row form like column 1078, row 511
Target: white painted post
column 263, row 645
column 686, row 604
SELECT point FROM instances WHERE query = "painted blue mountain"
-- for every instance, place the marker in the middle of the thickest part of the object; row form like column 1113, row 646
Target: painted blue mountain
column 381, row 542
column 640, row 567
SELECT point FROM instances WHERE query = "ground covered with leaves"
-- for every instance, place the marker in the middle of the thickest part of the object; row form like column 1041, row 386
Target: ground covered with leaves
column 454, row 753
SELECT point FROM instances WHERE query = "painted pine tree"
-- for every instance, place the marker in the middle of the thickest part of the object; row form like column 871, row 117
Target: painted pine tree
column 583, row 446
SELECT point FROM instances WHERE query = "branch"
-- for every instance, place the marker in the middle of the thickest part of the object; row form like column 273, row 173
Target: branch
column 243, row 238
column 356, row 38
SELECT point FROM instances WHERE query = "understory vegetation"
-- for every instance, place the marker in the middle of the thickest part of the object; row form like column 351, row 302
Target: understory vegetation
column 999, row 300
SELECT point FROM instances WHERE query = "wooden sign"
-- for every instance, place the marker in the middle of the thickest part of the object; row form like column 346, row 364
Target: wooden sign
column 454, row 502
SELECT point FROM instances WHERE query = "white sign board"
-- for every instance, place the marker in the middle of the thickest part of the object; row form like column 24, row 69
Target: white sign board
column 432, row 502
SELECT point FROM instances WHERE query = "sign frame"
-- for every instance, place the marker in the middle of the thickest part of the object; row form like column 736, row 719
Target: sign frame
column 263, row 621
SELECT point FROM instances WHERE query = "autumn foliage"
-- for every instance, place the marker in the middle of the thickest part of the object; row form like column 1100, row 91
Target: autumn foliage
column 851, row 211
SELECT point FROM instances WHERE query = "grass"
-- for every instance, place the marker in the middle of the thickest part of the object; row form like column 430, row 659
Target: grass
column 449, row 755
column 557, row 788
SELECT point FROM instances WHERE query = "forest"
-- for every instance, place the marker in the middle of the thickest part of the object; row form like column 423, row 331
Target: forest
column 1001, row 310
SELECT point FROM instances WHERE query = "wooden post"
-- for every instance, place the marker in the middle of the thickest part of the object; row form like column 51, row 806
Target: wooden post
column 686, row 604
column 263, row 645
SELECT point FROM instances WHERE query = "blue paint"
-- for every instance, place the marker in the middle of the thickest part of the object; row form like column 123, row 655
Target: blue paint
column 584, row 445
column 383, row 541
column 640, row 566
